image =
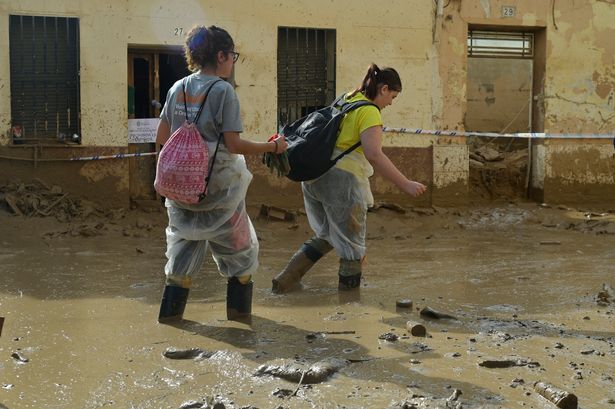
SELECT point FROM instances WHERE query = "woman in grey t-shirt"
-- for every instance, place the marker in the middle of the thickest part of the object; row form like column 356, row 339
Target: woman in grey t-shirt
column 220, row 220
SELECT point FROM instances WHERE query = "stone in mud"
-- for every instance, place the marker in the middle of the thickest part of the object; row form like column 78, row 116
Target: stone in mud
column 294, row 371
column 191, row 353
column 431, row 313
column 416, row 329
column 403, row 303
column 18, row 356
column 430, row 402
column 192, row 404
column 560, row 398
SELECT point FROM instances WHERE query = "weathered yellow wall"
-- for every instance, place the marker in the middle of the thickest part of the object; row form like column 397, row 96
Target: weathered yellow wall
column 428, row 51
column 499, row 93
column 578, row 87
column 392, row 34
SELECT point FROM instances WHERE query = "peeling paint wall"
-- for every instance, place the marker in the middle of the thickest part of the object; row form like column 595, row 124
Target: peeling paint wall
column 499, row 94
column 576, row 85
column 392, row 34
column 576, row 94
column 108, row 28
column 580, row 85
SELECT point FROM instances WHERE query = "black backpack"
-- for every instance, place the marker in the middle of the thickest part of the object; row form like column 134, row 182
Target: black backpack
column 311, row 139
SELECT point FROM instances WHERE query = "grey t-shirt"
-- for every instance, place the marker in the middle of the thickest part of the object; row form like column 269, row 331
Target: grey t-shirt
column 221, row 111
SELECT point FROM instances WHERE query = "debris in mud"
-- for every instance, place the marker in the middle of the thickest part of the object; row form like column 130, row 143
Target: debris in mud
column 487, row 154
column 560, row 398
column 300, row 372
column 39, row 199
column 81, row 230
column 416, row 329
column 517, row 382
column 19, row 357
column 1, row 325
column 277, row 213
column 550, row 242
column 607, row 295
column 429, row 312
column 216, row 402
column 429, row 402
column 389, row 336
column 389, row 206
column 508, row 363
column 191, row 353
column 418, row 347
column 282, row 393
column 424, row 211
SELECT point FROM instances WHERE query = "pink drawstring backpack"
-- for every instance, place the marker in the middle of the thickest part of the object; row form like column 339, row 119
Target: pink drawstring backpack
column 184, row 170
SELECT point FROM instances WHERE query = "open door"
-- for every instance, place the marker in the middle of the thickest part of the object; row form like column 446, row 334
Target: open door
column 151, row 73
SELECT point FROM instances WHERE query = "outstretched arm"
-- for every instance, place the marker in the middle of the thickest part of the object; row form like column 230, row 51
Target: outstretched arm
column 235, row 144
column 371, row 141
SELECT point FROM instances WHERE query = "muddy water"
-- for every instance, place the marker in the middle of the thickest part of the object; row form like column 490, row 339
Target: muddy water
column 82, row 311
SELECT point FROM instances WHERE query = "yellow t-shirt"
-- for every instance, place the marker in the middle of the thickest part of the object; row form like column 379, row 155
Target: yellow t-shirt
column 356, row 122
column 353, row 124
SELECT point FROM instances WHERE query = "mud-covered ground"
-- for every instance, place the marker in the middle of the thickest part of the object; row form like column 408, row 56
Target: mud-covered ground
column 80, row 297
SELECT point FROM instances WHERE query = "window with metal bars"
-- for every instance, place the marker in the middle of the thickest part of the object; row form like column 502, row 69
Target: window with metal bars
column 306, row 71
column 44, row 67
column 500, row 44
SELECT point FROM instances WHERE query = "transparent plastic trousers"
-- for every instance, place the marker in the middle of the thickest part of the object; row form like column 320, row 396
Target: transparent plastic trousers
column 219, row 222
column 336, row 205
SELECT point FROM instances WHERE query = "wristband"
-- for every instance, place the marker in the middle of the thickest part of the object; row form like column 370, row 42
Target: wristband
column 276, row 146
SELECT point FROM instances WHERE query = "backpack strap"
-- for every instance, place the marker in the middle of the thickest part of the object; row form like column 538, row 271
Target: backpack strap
column 211, row 167
column 213, row 158
column 185, row 105
column 345, row 108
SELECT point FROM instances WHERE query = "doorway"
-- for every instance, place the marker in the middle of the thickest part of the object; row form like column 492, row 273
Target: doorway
column 151, row 73
column 505, row 79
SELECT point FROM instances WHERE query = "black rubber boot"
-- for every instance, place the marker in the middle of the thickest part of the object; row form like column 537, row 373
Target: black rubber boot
column 239, row 301
column 349, row 274
column 310, row 252
column 173, row 304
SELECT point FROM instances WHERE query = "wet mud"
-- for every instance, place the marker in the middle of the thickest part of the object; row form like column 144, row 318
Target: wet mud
column 80, row 300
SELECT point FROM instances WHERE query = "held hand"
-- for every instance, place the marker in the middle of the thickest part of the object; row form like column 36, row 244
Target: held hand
column 281, row 144
column 415, row 188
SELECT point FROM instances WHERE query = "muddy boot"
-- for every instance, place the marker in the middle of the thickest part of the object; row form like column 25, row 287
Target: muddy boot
column 173, row 304
column 239, row 300
column 349, row 274
column 310, row 252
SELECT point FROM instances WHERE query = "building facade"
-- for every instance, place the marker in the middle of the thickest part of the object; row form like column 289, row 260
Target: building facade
column 82, row 79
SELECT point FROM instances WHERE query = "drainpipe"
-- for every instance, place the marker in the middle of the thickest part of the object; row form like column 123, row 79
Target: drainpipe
column 437, row 24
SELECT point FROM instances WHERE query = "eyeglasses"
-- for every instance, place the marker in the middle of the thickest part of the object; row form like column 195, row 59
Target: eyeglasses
column 235, row 55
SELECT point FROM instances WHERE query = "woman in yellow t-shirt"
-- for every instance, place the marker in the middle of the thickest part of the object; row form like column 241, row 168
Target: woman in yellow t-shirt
column 336, row 203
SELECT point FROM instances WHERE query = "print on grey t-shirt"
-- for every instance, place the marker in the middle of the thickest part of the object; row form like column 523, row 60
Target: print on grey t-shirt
column 221, row 112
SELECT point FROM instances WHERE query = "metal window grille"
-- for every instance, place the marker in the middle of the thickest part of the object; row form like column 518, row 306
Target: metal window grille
column 44, row 67
column 306, row 71
column 500, row 44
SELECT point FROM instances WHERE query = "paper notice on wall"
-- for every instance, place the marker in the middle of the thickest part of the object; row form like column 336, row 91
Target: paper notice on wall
column 142, row 130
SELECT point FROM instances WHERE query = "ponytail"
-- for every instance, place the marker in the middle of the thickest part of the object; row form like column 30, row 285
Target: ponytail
column 375, row 78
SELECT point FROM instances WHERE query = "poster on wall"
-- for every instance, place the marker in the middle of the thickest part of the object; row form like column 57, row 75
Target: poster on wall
column 142, row 130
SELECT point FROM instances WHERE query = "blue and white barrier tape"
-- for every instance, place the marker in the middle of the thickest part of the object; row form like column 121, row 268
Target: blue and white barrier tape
column 414, row 131
column 116, row 156
column 527, row 135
